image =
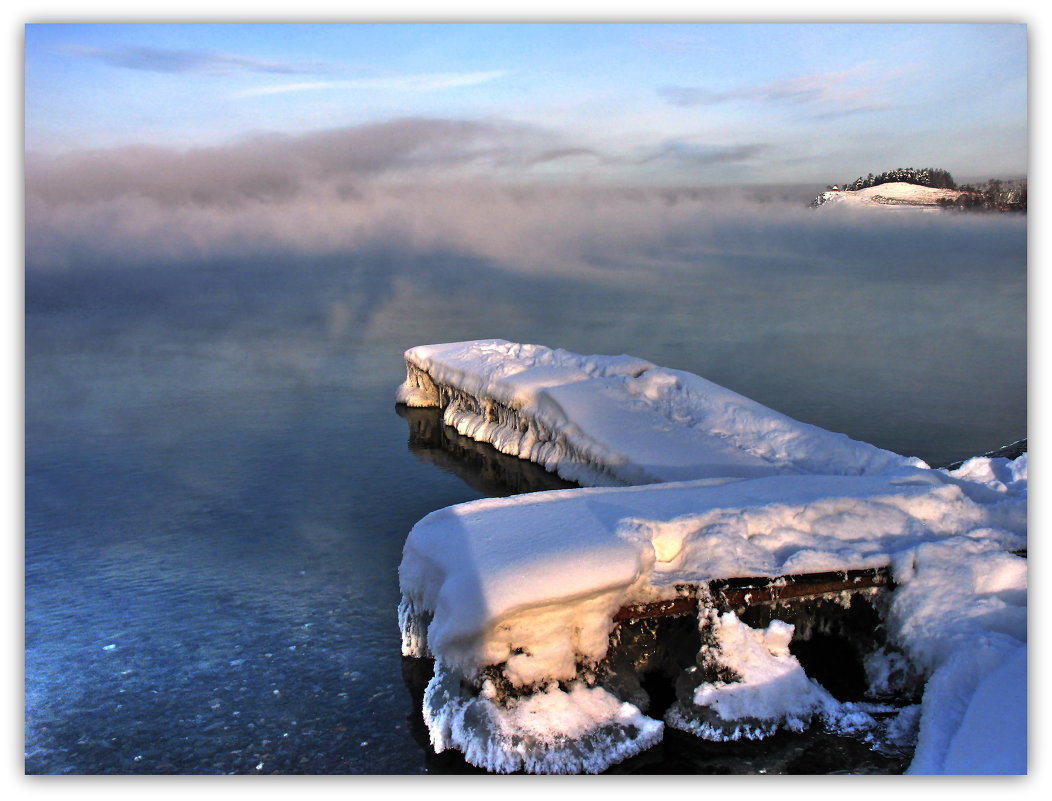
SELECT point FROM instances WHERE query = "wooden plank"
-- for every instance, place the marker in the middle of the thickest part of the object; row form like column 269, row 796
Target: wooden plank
column 725, row 594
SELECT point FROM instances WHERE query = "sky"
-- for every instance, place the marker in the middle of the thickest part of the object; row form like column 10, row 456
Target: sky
column 595, row 104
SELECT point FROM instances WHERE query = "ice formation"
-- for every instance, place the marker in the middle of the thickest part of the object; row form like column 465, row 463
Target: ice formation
column 515, row 598
column 581, row 729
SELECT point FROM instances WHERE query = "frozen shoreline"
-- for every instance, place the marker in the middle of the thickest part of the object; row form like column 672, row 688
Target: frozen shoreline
column 516, row 596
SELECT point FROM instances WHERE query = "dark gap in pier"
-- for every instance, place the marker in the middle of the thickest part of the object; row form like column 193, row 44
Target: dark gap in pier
column 831, row 639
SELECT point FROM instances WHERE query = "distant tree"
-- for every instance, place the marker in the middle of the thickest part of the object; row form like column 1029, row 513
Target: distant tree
column 995, row 195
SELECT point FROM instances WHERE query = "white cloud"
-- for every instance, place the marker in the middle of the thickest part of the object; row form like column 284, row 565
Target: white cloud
column 283, row 88
column 860, row 88
column 424, row 82
column 427, row 82
column 202, row 62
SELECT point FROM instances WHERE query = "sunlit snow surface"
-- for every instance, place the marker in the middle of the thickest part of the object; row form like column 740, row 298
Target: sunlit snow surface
column 513, row 596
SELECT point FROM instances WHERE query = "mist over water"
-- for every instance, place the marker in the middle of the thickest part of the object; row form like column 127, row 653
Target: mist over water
column 218, row 486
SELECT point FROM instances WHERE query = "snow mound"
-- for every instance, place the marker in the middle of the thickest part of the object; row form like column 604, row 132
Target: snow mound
column 619, row 420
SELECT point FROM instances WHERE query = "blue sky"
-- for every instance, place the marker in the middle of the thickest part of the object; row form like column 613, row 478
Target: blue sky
column 603, row 103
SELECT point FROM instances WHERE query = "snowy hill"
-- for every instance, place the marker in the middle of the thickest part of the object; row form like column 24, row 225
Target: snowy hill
column 897, row 194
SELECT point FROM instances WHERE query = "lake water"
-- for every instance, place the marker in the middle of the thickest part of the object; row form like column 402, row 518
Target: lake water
column 218, row 483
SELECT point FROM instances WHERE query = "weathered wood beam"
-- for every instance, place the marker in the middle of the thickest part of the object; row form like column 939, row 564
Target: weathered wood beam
column 725, row 594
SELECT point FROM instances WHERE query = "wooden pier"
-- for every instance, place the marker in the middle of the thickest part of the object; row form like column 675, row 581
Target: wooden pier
column 727, row 594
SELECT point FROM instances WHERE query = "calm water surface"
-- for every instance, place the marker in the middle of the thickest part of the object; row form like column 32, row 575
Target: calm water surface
column 218, row 484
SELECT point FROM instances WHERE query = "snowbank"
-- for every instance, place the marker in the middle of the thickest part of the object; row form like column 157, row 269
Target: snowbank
column 960, row 615
column 515, row 598
column 618, row 420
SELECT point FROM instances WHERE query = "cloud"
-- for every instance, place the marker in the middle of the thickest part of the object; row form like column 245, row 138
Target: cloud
column 273, row 168
column 204, row 62
column 284, row 89
column 688, row 153
column 560, row 153
column 427, row 82
column 827, row 95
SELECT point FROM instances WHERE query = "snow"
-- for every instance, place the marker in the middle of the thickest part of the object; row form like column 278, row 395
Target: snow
column 992, row 736
column 960, row 616
column 618, row 420
column 531, row 583
column 515, row 597
column 544, row 572
column 767, row 690
column 894, row 195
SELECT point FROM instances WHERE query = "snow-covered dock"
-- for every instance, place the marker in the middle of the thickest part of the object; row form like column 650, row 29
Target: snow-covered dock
column 619, row 420
column 518, row 599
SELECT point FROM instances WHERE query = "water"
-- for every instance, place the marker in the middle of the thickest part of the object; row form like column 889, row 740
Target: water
column 218, row 484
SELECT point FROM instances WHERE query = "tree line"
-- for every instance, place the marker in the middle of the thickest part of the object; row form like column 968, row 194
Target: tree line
column 928, row 176
column 994, row 195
